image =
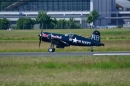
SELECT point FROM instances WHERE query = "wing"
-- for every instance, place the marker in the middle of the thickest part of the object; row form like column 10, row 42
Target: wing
column 60, row 42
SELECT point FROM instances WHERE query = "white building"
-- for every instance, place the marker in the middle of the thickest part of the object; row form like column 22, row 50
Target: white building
column 78, row 9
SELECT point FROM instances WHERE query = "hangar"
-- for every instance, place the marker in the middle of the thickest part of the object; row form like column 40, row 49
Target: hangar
column 112, row 12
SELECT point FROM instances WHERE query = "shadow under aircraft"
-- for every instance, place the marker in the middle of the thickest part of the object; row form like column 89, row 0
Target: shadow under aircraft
column 66, row 40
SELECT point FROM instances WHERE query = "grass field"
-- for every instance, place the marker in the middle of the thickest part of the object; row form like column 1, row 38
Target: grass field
column 27, row 40
column 65, row 71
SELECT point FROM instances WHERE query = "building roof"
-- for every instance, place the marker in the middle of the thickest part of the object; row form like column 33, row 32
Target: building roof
column 123, row 3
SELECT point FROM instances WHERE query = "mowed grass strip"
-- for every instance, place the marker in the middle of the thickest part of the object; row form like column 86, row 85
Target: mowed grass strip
column 65, row 71
column 33, row 34
column 33, row 46
column 27, row 40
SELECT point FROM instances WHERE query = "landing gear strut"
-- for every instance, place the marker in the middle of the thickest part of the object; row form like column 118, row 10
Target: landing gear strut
column 91, row 49
column 51, row 49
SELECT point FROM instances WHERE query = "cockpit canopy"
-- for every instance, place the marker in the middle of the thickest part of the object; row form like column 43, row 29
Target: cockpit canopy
column 69, row 34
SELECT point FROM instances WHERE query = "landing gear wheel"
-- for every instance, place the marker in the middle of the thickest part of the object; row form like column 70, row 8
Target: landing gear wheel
column 51, row 50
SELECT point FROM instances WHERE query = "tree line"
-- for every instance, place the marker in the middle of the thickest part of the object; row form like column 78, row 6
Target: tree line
column 45, row 21
column 4, row 23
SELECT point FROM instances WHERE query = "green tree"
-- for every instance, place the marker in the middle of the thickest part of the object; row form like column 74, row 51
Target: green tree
column 29, row 23
column 54, row 22
column 61, row 24
column 95, row 15
column 92, row 17
column 44, row 20
column 4, row 24
column 64, row 24
column 25, row 23
column 20, row 23
column 89, row 20
column 72, row 24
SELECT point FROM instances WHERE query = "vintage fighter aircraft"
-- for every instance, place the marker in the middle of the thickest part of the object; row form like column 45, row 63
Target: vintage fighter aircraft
column 65, row 40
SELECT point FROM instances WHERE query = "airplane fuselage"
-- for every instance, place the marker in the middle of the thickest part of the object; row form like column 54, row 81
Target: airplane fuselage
column 70, row 39
column 64, row 40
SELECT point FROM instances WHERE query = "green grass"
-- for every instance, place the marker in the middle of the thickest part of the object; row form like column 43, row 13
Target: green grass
column 33, row 34
column 65, row 71
column 32, row 46
column 27, row 40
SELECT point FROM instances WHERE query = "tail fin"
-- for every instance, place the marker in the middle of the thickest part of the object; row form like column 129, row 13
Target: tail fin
column 95, row 36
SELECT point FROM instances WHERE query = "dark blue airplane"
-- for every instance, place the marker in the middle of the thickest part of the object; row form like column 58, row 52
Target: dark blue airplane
column 65, row 40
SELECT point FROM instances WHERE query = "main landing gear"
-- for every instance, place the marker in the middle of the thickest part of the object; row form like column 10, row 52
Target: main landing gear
column 51, row 49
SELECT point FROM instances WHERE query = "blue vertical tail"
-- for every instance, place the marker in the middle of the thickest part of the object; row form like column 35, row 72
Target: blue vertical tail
column 95, row 36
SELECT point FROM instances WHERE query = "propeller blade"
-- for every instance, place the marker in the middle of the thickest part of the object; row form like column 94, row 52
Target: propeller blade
column 40, row 39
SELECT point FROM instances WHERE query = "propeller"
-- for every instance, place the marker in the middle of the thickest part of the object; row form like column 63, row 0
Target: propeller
column 40, row 38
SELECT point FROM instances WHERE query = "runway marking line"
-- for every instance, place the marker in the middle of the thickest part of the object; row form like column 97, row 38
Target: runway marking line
column 111, row 54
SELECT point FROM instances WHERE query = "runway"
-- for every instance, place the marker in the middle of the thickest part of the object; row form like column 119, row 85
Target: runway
column 37, row 54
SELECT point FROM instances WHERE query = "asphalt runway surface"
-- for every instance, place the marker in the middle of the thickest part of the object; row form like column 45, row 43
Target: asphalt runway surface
column 63, row 53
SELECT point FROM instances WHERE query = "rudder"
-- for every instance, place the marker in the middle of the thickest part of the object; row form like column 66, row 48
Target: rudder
column 95, row 36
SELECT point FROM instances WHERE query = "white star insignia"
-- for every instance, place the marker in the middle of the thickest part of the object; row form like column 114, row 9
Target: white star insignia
column 75, row 40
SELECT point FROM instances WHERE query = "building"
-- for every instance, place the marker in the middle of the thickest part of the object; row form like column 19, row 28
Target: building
column 122, row 15
column 123, row 5
column 109, row 10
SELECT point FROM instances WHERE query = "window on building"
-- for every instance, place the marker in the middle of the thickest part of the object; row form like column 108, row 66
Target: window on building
column 50, row 5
